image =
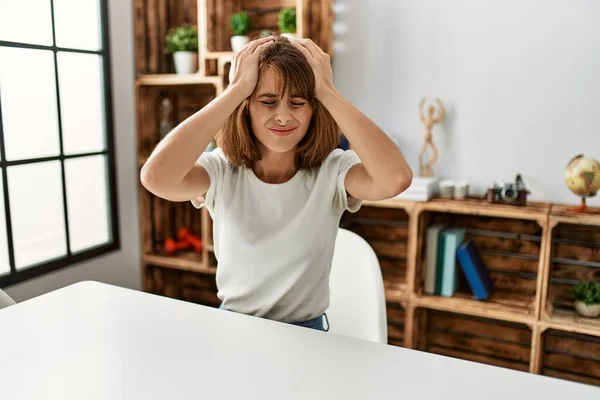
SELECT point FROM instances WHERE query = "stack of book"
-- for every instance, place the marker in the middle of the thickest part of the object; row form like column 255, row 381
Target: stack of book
column 421, row 189
column 447, row 253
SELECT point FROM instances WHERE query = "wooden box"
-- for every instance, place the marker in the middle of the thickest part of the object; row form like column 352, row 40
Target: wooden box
column 573, row 256
column 509, row 240
column 571, row 356
column 386, row 230
column 396, row 316
column 489, row 341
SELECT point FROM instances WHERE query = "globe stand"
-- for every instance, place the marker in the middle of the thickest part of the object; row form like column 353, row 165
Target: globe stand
column 583, row 208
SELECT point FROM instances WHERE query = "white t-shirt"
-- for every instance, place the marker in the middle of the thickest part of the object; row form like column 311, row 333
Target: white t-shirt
column 274, row 242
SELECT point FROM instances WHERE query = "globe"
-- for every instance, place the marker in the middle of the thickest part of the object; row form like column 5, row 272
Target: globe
column 582, row 177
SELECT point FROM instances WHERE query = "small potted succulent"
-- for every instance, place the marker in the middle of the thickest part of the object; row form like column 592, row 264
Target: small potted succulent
column 287, row 22
column 241, row 25
column 182, row 43
column 587, row 298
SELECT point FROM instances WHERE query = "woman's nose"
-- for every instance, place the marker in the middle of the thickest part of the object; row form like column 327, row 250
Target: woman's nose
column 283, row 114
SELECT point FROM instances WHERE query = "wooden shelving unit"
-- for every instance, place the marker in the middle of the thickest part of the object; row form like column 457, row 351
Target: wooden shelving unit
column 188, row 275
column 534, row 253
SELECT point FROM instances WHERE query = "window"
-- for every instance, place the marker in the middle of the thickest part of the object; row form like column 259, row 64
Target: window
column 58, row 202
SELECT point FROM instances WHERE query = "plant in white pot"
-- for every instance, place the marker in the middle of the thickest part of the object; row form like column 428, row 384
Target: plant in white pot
column 241, row 25
column 587, row 298
column 182, row 43
column 287, row 23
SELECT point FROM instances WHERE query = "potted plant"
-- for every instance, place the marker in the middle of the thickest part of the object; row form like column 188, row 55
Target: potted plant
column 182, row 43
column 587, row 298
column 241, row 25
column 287, row 22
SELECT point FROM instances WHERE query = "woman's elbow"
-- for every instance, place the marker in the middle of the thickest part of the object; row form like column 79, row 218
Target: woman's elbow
column 402, row 181
column 148, row 179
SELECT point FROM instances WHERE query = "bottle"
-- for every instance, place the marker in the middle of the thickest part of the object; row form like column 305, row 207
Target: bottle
column 166, row 125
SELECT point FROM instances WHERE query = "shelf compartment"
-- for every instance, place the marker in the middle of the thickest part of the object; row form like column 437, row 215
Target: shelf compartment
column 189, row 286
column 152, row 20
column 396, row 317
column 185, row 100
column 574, row 256
column 571, row 356
column 512, row 252
column 386, row 231
column 188, row 261
column 200, row 289
column 482, row 340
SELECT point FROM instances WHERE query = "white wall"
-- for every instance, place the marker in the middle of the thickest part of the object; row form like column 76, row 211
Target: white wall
column 122, row 267
column 520, row 79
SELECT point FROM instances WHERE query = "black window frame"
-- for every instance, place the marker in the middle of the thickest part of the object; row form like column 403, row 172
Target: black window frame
column 17, row 276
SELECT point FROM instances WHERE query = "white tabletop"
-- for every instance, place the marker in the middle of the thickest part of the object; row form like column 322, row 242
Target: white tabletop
column 95, row 341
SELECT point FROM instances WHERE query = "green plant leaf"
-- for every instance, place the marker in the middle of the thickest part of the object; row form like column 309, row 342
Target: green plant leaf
column 287, row 20
column 182, row 38
column 588, row 292
column 241, row 23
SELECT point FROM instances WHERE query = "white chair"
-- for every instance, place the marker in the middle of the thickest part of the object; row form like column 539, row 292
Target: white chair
column 357, row 305
column 5, row 300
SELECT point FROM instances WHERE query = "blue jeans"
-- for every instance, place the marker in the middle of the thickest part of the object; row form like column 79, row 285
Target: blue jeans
column 315, row 323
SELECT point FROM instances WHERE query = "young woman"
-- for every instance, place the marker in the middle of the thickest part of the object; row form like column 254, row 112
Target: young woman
column 276, row 186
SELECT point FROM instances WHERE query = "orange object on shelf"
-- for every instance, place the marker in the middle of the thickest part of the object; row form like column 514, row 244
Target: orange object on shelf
column 172, row 246
column 185, row 235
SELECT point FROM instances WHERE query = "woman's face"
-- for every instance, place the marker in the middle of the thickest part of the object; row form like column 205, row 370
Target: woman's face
column 279, row 124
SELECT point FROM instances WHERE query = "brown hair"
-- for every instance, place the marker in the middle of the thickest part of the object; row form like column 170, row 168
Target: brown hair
column 236, row 138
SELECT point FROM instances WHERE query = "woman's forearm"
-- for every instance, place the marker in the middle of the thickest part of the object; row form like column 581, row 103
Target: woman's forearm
column 381, row 157
column 176, row 154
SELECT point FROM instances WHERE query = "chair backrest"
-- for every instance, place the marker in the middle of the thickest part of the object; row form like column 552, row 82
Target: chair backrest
column 5, row 300
column 357, row 304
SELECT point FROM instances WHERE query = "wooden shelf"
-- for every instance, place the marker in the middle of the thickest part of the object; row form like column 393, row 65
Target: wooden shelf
column 184, row 261
column 561, row 213
column 532, row 211
column 396, row 291
column 461, row 304
column 213, row 55
column 571, row 322
column 391, row 203
column 176, row 79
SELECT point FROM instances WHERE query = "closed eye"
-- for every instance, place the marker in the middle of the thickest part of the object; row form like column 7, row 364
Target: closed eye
column 268, row 103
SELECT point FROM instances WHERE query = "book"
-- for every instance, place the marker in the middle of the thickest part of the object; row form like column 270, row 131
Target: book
column 431, row 258
column 452, row 239
column 420, row 189
column 474, row 270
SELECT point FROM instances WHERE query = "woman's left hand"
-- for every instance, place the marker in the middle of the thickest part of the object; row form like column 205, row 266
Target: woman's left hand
column 320, row 63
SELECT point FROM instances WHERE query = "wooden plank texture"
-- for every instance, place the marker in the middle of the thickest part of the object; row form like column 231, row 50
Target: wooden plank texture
column 572, row 356
column 152, row 20
column 479, row 339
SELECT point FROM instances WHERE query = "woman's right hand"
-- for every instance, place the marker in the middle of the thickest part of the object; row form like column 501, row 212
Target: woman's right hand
column 244, row 67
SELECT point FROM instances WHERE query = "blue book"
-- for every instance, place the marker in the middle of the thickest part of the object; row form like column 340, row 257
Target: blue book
column 474, row 270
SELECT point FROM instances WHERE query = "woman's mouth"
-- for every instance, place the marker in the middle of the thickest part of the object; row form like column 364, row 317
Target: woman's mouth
column 283, row 131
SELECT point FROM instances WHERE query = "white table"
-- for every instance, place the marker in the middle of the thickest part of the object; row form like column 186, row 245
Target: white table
column 95, row 341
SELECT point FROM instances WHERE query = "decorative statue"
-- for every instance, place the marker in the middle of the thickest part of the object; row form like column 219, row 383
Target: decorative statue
column 426, row 168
